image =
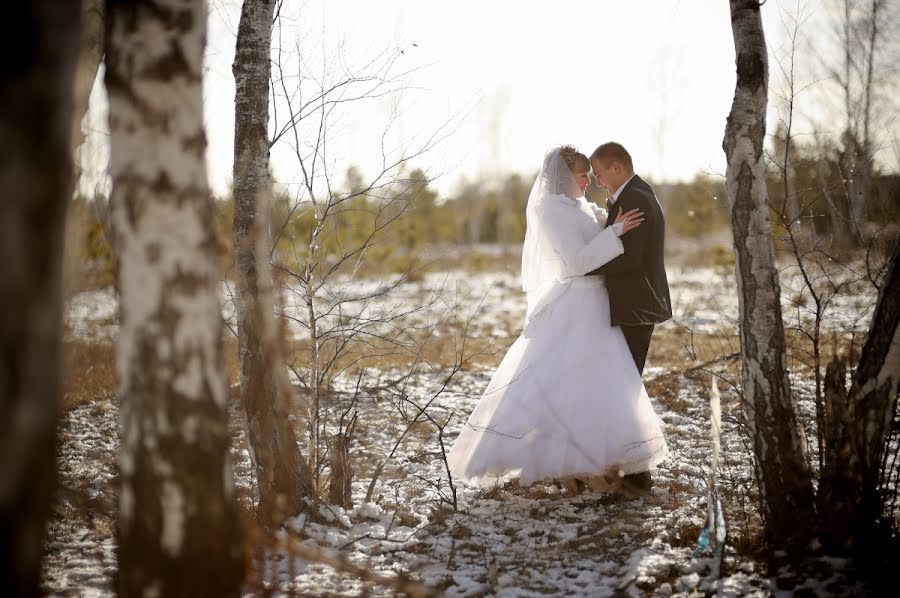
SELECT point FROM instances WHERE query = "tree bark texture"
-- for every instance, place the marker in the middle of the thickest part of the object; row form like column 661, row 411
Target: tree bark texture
column 859, row 426
column 39, row 41
column 877, row 378
column 782, row 474
column 90, row 55
column 283, row 477
column 179, row 531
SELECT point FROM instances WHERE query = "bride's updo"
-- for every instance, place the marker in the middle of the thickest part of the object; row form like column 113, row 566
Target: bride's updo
column 575, row 160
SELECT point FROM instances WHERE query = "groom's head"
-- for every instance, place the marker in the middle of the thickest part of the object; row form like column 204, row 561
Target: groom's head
column 612, row 166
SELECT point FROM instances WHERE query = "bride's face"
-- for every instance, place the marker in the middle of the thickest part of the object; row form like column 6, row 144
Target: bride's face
column 582, row 180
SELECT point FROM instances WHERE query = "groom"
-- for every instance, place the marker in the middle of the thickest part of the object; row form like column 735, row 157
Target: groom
column 636, row 280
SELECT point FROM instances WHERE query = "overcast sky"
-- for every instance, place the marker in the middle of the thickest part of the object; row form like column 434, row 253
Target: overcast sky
column 655, row 75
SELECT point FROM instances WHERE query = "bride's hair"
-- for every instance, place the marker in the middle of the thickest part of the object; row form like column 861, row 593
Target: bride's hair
column 575, row 160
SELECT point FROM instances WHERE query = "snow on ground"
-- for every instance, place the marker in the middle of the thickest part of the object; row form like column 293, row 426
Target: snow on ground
column 503, row 541
column 704, row 299
column 92, row 314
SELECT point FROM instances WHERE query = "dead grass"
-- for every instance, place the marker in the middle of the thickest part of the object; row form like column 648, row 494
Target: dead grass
column 89, row 372
column 677, row 348
column 680, row 353
column 437, row 351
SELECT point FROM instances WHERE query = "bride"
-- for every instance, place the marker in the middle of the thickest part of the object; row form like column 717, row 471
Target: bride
column 567, row 400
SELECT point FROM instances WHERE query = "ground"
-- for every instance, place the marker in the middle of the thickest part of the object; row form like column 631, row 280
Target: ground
column 506, row 540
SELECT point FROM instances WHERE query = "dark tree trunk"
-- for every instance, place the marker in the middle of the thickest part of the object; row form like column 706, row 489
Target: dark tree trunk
column 782, row 474
column 340, row 491
column 39, row 42
column 283, row 476
column 859, row 426
column 179, row 531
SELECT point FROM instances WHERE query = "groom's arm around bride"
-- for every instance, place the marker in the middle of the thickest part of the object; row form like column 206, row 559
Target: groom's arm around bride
column 636, row 280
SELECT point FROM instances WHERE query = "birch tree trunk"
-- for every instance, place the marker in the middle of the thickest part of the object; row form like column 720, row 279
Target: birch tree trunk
column 874, row 23
column 782, row 474
column 178, row 531
column 35, row 188
column 90, row 55
column 877, row 378
column 283, row 477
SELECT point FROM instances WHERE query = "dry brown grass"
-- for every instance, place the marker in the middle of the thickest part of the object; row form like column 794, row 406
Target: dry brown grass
column 89, row 372
column 676, row 348
column 444, row 350
column 680, row 353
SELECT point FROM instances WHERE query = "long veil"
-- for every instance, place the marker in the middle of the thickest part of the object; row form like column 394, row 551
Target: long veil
column 541, row 267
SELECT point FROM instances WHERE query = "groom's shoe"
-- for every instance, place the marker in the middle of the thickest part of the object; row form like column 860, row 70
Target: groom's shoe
column 636, row 485
column 574, row 485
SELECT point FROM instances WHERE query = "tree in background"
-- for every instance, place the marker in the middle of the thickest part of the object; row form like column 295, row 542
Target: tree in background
column 696, row 208
column 855, row 428
column 318, row 255
column 90, row 55
column 39, row 41
column 419, row 213
column 863, row 31
column 282, row 473
column 856, row 440
column 178, row 527
column 859, row 476
column 783, row 477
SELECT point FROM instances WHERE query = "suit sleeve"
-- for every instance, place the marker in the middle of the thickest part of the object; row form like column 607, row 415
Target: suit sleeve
column 635, row 241
column 578, row 257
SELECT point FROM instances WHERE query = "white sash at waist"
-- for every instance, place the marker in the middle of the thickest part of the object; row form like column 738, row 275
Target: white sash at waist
column 542, row 298
column 586, row 282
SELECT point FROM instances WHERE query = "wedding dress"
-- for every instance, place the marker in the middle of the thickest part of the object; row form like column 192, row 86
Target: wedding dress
column 567, row 399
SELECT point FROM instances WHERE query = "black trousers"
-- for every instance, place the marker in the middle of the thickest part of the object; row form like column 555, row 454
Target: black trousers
column 638, row 339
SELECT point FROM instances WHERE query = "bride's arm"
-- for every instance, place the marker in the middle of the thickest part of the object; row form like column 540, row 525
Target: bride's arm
column 600, row 214
column 579, row 257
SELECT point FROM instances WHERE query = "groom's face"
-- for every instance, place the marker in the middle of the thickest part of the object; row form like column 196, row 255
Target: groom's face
column 605, row 175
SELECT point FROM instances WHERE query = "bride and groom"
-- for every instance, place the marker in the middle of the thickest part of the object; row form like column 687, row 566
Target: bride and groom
column 567, row 403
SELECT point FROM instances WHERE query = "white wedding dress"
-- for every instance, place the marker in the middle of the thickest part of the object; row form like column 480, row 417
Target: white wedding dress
column 567, row 399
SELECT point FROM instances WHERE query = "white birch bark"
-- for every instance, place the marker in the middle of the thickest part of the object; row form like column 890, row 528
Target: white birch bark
column 782, row 474
column 90, row 55
column 178, row 532
column 282, row 475
column 35, row 189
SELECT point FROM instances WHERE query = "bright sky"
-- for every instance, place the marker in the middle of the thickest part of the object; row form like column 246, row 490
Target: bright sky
column 655, row 75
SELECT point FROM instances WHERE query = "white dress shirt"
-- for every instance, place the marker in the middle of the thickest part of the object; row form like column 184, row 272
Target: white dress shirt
column 618, row 192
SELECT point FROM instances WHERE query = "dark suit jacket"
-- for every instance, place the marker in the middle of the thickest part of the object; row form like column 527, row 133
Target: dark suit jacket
column 636, row 280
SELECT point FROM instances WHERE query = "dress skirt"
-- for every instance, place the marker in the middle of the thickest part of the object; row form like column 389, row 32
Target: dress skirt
column 566, row 400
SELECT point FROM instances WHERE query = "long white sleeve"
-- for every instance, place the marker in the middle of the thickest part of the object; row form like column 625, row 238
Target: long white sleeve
column 601, row 215
column 579, row 257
